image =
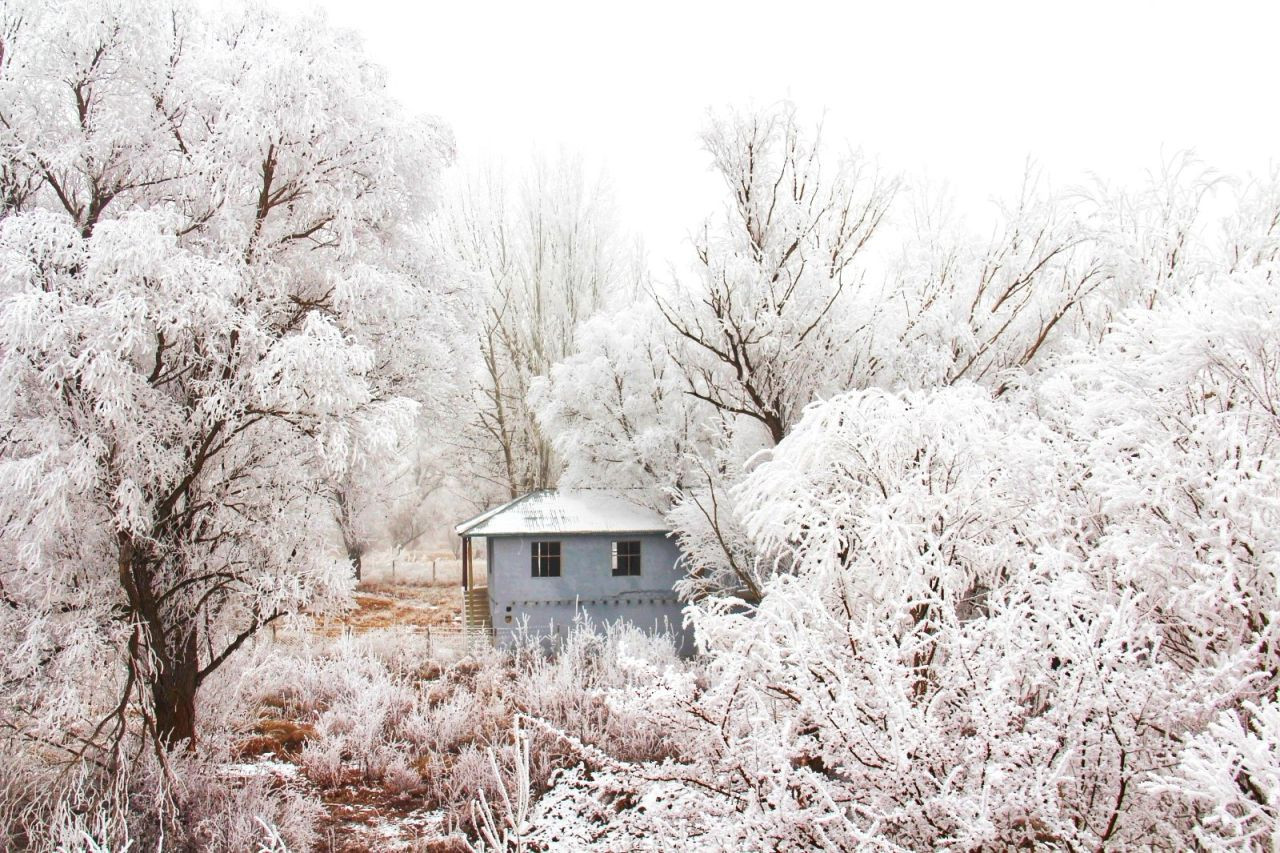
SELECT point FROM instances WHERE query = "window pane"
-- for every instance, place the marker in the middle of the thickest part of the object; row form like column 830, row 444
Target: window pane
column 545, row 559
column 626, row 558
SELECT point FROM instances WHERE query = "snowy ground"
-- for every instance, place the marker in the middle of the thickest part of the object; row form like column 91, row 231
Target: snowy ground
column 361, row 818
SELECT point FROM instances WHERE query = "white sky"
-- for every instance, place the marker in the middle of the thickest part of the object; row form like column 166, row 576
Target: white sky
column 961, row 92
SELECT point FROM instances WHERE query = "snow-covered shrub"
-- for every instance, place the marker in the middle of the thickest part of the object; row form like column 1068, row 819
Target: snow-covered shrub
column 1230, row 776
column 470, row 774
column 397, row 776
column 223, row 806
column 358, row 713
column 502, row 821
column 97, row 831
column 1000, row 615
column 235, row 812
column 584, row 689
column 443, row 725
column 322, row 761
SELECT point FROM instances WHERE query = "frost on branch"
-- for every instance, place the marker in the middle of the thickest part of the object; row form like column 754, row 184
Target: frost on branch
column 1230, row 774
column 212, row 296
column 1001, row 614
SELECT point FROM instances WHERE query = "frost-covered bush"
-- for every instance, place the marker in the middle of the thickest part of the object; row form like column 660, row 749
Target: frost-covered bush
column 1230, row 774
column 443, row 724
column 583, row 689
column 231, row 812
column 199, row 800
column 398, row 777
column 998, row 615
column 322, row 761
column 442, row 734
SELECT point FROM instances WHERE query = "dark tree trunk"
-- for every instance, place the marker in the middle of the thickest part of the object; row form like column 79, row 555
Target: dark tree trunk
column 347, row 525
column 773, row 422
column 174, row 693
column 170, row 657
column 355, row 553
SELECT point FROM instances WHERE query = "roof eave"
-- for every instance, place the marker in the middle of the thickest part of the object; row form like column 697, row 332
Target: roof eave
column 463, row 528
column 665, row 531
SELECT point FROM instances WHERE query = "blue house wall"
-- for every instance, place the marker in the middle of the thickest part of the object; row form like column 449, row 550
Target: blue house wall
column 547, row 605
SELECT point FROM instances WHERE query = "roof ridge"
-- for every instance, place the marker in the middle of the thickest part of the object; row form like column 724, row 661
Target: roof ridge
column 567, row 511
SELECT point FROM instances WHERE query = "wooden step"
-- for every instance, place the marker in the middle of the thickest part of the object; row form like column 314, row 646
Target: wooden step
column 475, row 609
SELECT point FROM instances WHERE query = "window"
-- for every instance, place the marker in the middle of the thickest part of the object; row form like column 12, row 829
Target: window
column 626, row 558
column 546, row 559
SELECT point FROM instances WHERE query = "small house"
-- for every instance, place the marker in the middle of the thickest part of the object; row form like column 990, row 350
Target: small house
column 552, row 555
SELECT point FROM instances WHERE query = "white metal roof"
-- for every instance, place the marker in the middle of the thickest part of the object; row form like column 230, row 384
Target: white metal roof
column 565, row 511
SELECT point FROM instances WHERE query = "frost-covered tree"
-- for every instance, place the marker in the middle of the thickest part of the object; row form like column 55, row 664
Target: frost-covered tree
column 1230, row 774
column 764, row 326
column 955, row 308
column 783, row 311
column 619, row 409
column 672, row 395
column 396, row 496
column 213, row 294
column 547, row 254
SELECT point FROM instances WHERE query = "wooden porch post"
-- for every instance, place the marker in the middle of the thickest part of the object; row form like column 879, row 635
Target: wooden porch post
column 466, row 563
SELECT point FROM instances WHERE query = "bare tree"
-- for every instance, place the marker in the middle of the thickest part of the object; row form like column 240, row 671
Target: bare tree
column 765, row 325
column 549, row 255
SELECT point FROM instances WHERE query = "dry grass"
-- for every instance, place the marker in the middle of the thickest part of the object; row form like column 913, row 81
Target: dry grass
column 383, row 605
column 282, row 738
column 406, row 594
column 395, row 748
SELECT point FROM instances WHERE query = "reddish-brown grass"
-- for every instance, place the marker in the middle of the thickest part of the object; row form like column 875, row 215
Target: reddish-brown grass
column 282, row 738
column 386, row 605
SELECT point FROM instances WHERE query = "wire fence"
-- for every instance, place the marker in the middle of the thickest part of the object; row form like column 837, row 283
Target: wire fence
column 441, row 644
column 436, row 642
